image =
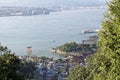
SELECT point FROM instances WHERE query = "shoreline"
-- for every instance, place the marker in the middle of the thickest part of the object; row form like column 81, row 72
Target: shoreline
column 57, row 51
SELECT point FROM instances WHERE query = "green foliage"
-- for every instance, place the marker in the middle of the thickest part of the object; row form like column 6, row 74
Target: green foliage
column 9, row 65
column 12, row 68
column 27, row 69
column 109, row 55
column 78, row 73
column 105, row 64
column 68, row 47
column 74, row 47
column 46, row 58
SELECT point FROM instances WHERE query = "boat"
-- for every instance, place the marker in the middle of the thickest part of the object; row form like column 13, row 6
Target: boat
column 89, row 31
column 29, row 47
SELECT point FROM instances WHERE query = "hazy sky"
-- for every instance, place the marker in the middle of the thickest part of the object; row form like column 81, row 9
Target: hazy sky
column 47, row 2
column 8, row 1
column 13, row 1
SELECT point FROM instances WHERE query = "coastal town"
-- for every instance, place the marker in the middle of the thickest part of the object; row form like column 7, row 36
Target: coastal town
column 51, row 69
column 6, row 11
column 25, row 11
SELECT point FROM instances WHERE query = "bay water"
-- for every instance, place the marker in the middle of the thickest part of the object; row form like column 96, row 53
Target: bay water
column 44, row 32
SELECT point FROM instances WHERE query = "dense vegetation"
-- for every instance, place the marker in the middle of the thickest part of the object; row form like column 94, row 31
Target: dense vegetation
column 74, row 47
column 9, row 65
column 12, row 68
column 28, row 70
column 105, row 64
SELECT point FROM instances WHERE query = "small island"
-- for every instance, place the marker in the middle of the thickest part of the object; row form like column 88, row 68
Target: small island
column 75, row 48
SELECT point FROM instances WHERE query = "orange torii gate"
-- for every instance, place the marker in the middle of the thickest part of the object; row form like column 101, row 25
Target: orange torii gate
column 29, row 50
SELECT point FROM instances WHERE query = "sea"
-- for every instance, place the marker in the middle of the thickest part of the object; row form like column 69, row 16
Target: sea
column 44, row 32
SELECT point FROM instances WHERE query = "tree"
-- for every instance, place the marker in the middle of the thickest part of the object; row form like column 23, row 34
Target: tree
column 105, row 64
column 78, row 73
column 9, row 65
column 12, row 68
column 28, row 69
column 108, row 57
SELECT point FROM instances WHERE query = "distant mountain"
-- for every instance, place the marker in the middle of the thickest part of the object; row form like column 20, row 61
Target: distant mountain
column 46, row 3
